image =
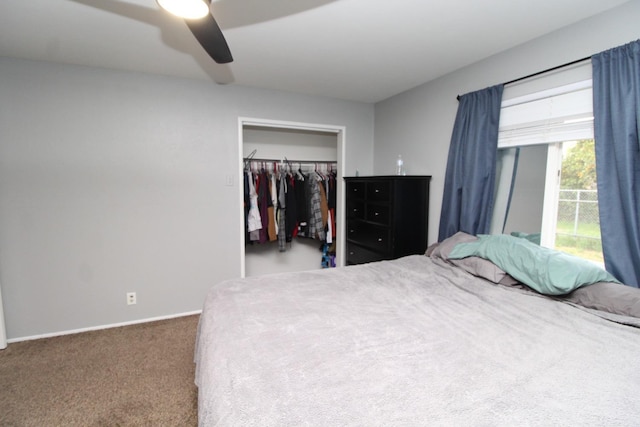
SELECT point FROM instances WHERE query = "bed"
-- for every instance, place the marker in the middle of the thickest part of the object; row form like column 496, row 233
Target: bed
column 421, row 340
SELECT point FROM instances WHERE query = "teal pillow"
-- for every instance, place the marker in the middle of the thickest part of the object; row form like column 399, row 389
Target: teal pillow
column 533, row 237
column 547, row 271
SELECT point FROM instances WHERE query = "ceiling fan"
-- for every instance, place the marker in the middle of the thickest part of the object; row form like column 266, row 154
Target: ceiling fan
column 198, row 17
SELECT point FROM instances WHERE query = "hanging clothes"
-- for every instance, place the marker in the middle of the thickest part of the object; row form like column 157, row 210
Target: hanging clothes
column 332, row 201
column 324, row 205
column 302, row 204
column 316, row 228
column 263, row 203
column 281, row 212
column 271, row 211
column 280, row 205
column 291, row 219
column 254, row 221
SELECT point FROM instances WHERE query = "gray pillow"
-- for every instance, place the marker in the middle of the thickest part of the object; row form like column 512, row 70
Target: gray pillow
column 443, row 248
column 475, row 265
column 608, row 296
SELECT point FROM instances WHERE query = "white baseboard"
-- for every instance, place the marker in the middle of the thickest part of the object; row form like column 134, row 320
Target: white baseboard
column 97, row 328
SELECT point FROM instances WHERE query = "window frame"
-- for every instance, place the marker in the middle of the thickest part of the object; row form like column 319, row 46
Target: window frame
column 545, row 113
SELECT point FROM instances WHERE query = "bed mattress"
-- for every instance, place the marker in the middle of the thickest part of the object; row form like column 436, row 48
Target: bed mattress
column 414, row 341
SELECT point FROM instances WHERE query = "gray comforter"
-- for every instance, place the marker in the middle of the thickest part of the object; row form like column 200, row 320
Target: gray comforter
column 408, row 342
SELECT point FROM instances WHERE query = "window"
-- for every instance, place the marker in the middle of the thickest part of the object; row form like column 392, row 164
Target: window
column 545, row 184
column 577, row 228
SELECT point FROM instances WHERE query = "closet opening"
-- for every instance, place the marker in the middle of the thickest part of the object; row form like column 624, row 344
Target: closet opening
column 270, row 150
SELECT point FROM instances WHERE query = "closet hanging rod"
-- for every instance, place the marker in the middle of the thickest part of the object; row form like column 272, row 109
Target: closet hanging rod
column 254, row 159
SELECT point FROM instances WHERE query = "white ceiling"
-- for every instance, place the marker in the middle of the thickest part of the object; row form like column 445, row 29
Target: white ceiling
column 361, row 50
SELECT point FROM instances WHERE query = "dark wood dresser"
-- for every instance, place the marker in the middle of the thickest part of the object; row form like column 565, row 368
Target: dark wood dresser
column 387, row 217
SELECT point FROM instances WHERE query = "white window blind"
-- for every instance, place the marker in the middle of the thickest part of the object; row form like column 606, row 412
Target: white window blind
column 559, row 114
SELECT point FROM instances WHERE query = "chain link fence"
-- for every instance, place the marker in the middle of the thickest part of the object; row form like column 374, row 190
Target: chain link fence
column 578, row 206
column 578, row 220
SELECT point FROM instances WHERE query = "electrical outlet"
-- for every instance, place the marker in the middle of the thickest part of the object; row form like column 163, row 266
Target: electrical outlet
column 131, row 298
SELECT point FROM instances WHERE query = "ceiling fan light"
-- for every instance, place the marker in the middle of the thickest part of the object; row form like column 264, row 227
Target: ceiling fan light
column 187, row 9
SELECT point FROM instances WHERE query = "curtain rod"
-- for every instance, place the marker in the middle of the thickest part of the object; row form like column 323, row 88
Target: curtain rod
column 577, row 61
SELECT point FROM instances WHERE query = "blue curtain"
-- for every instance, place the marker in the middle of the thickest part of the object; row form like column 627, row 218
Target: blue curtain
column 616, row 108
column 469, row 182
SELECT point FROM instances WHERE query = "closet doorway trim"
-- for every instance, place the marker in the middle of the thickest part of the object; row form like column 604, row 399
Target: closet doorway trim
column 339, row 131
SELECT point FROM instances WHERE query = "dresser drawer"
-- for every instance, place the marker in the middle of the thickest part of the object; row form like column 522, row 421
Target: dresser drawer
column 372, row 236
column 378, row 213
column 355, row 209
column 379, row 191
column 359, row 255
column 356, row 190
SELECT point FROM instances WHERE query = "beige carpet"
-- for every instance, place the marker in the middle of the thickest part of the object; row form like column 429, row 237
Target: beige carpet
column 128, row 376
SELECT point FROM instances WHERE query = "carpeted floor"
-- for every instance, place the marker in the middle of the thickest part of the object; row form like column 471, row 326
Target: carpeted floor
column 128, row 376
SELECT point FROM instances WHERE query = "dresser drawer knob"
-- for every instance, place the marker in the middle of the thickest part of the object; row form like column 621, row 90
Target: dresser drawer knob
column 377, row 191
column 377, row 213
column 379, row 239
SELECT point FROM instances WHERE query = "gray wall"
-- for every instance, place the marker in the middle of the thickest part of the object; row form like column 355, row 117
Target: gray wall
column 112, row 182
column 418, row 123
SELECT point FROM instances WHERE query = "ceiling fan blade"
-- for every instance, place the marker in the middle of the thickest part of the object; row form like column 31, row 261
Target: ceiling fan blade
column 208, row 33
